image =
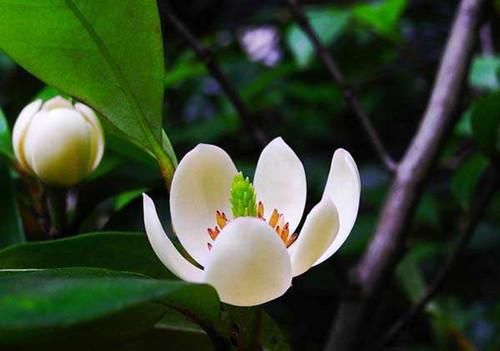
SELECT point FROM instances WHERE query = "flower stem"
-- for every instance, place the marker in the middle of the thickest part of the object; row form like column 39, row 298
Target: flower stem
column 57, row 208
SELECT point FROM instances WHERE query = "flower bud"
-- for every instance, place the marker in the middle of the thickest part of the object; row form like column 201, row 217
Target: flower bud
column 58, row 142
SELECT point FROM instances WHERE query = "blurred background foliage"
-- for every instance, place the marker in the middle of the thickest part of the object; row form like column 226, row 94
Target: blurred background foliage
column 389, row 51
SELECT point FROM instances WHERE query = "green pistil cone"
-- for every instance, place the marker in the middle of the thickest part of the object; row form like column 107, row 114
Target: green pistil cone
column 243, row 199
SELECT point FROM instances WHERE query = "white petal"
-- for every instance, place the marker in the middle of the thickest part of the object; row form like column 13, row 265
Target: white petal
column 343, row 187
column 201, row 185
column 57, row 102
column 163, row 247
column 57, row 147
column 249, row 265
column 280, row 182
column 20, row 128
column 97, row 134
column 319, row 230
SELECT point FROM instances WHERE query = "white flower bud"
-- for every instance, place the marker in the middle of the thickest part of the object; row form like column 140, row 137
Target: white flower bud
column 57, row 141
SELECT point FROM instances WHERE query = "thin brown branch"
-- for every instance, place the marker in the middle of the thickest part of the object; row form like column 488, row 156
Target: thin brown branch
column 406, row 189
column 210, row 61
column 347, row 91
column 476, row 213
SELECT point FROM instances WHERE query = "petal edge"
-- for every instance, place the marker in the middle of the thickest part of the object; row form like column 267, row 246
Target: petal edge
column 163, row 247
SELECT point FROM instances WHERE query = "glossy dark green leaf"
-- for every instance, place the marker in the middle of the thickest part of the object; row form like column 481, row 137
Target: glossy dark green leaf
column 11, row 228
column 118, row 251
column 485, row 122
column 327, row 23
column 466, row 177
column 39, row 303
column 78, row 47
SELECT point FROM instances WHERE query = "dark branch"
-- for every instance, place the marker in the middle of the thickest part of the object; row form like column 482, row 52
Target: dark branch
column 210, row 61
column 477, row 211
column 348, row 93
column 406, row 189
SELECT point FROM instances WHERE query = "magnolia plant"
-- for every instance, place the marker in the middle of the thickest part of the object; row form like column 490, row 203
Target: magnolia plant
column 57, row 141
column 241, row 236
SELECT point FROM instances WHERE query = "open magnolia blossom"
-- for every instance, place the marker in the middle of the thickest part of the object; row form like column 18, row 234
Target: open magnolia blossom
column 57, row 141
column 243, row 235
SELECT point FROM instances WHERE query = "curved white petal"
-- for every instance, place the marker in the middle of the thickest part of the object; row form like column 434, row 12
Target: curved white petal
column 249, row 265
column 343, row 187
column 57, row 147
column 163, row 247
column 201, row 185
column 280, row 182
column 319, row 230
column 57, row 102
column 97, row 134
column 20, row 128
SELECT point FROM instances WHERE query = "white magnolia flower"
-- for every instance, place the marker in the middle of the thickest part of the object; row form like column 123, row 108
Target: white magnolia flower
column 57, row 141
column 242, row 234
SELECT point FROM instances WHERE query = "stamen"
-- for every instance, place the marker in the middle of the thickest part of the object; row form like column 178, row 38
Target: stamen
column 281, row 220
column 285, row 232
column 221, row 219
column 274, row 218
column 291, row 239
column 277, row 223
column 260, row 210
column 213, row 233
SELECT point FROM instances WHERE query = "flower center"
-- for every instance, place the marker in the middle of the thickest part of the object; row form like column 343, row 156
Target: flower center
column 243, row 204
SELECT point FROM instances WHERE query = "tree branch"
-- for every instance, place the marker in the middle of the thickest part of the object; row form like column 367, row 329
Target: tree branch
column 210, row 61
column 347, row 91
column 477, row 211
column 406, row 189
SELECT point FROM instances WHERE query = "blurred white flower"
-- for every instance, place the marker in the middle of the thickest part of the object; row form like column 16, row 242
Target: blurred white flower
column 243, row 234
column 58, row 142
column 261, row 44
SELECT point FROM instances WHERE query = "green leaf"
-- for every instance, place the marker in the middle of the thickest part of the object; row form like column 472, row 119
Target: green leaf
column 42, row 303
column 383, row 16
column 327, row 23
column 485, row 122
column 118, row 251
column 484, row 72
column 5, row 138
column 11, row 228
column 78, row 47
column 466, row 178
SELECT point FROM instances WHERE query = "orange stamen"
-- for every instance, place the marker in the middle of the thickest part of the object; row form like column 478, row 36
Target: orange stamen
column 281, row 220
column 291, row 239
column 285, row 232
column 260, row 210
column 221, row 219
column 274, row 218
column 213, row 232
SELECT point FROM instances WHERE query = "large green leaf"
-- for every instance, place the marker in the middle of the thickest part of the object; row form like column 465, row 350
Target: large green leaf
column 118, row 251
column 327, row 23
column 79, row 47
column 11, row 228
column 42, row 303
